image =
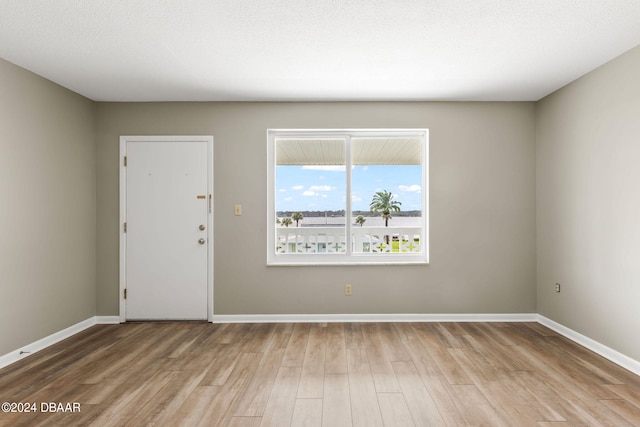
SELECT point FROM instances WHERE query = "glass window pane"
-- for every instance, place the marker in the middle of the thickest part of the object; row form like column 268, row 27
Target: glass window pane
column 310, row 200
column 386, row 195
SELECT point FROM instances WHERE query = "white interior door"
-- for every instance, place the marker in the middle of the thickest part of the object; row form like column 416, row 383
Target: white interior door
column 168, row 229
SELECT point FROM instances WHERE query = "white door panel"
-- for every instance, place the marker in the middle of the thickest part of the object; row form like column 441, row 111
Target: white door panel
column 166, row 262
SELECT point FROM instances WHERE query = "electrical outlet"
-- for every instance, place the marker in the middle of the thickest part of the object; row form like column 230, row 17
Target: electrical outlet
column 347, row 290
column 557, row 287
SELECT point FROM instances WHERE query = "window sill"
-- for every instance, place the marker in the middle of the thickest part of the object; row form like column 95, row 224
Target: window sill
column 339, row 263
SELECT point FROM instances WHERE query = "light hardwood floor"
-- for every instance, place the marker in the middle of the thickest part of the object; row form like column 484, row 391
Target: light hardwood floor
column 335, row 374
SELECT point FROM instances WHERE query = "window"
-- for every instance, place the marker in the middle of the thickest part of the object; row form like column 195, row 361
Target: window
column 347, row 196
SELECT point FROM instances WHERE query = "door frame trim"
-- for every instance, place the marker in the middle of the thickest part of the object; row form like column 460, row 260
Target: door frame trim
column 124, row 139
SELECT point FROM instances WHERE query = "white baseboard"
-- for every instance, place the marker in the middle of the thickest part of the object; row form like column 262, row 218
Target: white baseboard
column 328, row 318
column 45, row 342
column 107, row 320
column 604, row 351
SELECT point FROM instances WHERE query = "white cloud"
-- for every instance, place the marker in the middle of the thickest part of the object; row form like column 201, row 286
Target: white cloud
column 308, row 193
column 297, row 187
column 282, row 190
column 288, row 199
column 320, row 188
column 415, row 188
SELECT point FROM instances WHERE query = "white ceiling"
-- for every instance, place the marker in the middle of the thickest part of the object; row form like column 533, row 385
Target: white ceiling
column 220, row 50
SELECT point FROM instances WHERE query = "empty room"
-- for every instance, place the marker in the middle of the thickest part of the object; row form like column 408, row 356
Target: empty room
column 327, row 213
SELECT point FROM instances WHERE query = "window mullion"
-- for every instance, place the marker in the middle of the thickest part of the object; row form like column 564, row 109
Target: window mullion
column 347, row 214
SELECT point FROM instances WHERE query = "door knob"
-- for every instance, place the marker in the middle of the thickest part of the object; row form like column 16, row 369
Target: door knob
column 202, row 227
column 201, row 241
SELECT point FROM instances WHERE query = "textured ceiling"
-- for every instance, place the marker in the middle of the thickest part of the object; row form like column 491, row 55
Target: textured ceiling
column 366, row 151
column 218, row 50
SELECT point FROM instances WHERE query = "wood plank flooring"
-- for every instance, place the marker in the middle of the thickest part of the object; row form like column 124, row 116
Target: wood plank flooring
column 336, row 374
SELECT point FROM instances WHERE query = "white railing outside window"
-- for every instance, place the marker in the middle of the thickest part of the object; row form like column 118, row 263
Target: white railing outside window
column 331, row 240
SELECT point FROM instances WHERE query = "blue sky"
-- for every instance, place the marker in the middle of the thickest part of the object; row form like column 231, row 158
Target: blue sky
column 309, row 188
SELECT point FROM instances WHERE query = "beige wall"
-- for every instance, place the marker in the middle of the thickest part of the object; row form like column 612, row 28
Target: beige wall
column 482, row 217
column 588, row 201
column 47, row 208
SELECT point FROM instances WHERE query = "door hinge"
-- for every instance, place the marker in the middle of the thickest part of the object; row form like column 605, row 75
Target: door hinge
column 125, row 227
column 125, row 161
column 125, row 293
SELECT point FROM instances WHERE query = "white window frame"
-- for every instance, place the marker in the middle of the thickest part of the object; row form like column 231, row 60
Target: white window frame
column 347, row 258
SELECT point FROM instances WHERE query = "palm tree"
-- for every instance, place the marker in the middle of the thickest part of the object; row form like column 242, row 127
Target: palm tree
column 383, row 202
column 360, row 220
column 297, row 217
column 286, row 221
